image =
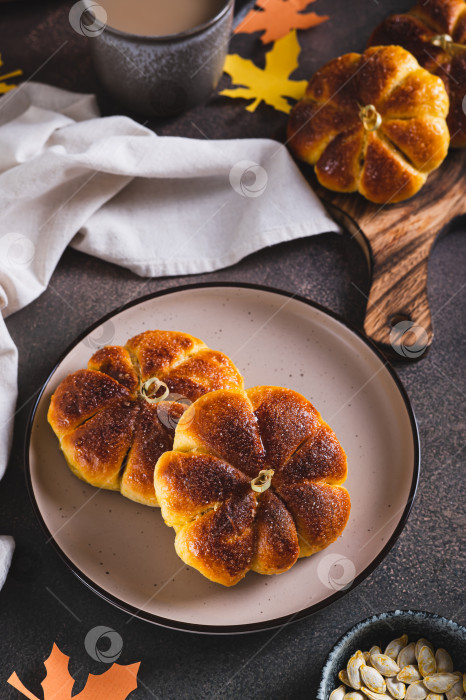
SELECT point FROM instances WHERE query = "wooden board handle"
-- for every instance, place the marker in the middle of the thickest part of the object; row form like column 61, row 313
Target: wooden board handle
column 397, row 240
column 397, row 315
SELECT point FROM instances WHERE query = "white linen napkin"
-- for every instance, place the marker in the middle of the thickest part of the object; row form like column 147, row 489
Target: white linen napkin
column 112, row 188
column 7, row 546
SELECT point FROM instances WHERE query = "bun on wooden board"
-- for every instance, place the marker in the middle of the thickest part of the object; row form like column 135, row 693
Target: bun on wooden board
column 426, row 31
column 372, row 123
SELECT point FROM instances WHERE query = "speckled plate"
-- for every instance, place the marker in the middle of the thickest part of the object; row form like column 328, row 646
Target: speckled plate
column 125, row 553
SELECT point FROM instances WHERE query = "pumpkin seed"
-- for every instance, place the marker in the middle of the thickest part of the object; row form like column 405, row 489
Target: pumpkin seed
column 352, row 669
column 464, row 682
column 343, row 676
column 416, row 691
column 407, row 656
column 353, row 695
column 397, row 689
column 434, row 696
column 409, row 674
column 375, row 650
column 444, row 661
column 394, row 647
column 440, row 682
column 374, row 696
column 422, row 643
column 338, row 693
column 372, row 679
column 385, row 665
column 426, row 661
column 456, row 691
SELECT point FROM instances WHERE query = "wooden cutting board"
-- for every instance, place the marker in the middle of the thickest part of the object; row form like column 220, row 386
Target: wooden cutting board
column 397, row 240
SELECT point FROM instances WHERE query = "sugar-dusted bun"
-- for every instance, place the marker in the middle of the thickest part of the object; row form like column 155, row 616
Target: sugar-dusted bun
column 372, row 123
column 207, row 486
column 110, row 434
column 418, row 31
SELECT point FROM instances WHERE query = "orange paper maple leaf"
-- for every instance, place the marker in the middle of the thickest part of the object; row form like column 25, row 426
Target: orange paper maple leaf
column 278, row 17
column 115, row 684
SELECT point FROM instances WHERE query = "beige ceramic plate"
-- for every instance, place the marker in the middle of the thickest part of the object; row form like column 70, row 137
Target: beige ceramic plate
column 124, row 552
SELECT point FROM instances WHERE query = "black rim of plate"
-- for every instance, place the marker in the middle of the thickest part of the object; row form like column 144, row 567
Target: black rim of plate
column 256, row 626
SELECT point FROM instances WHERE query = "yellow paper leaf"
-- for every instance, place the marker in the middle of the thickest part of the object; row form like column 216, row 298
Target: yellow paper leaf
column 4, row 87
column 115, row 684
column 272, row 84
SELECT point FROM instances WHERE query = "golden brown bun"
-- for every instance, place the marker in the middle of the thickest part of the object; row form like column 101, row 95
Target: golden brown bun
column 110, row 435
column 391, row 162
column 415, row 31
column 223, row 527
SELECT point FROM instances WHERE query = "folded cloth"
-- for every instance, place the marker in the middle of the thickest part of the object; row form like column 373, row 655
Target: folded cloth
column 7, row 546
column 112, row 188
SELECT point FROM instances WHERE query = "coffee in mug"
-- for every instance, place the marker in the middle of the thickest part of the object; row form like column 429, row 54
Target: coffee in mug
column 159, row 17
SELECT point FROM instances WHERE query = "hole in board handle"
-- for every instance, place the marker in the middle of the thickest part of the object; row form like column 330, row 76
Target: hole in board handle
column 398, row 318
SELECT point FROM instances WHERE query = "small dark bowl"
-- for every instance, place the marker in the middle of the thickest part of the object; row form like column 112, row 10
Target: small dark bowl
column 382, row 628
column 159, row 75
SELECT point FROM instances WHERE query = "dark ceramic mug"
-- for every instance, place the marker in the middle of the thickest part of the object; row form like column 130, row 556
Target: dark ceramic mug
column 159, row 75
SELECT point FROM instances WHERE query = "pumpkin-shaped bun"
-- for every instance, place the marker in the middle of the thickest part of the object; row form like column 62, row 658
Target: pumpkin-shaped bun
column 435, row 33
column 252, row 483
column 372, row 123
column 111, row 430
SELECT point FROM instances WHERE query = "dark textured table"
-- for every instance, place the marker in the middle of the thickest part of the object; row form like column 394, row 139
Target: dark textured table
column 42, row 601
